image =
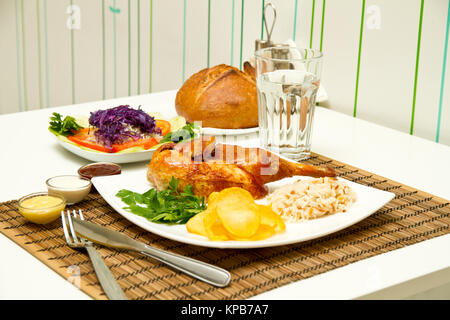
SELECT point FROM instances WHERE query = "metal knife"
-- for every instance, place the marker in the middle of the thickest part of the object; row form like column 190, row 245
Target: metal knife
column 203, row 271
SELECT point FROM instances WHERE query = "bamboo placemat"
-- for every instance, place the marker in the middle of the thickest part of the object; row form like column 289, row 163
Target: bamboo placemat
column 413, row 216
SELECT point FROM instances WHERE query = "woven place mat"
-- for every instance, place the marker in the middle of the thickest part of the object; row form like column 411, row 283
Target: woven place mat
column 411, row 217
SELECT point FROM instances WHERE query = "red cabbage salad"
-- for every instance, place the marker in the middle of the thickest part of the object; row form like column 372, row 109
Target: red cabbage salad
column 122, row 123
column 119, row 129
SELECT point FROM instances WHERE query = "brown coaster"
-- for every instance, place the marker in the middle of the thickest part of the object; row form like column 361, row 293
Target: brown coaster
column 412, row 216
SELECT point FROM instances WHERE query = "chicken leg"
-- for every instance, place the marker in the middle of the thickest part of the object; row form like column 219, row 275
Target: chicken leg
column 209, row 167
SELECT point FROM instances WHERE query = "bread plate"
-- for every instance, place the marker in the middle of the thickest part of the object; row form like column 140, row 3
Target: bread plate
column 229, row 132
column 369, row 200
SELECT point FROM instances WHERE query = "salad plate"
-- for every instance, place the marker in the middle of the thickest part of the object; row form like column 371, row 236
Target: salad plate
column 120, row 134
column 92, row 155
column 369, row 200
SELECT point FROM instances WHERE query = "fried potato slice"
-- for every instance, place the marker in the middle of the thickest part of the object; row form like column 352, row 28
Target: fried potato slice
column 212, row 198
column 214, row 229
column 271, row 219
column 237, row 212
column 232, row 214
column 242, row 222
column 196, row 224
column 233, row 197
column 263, row 232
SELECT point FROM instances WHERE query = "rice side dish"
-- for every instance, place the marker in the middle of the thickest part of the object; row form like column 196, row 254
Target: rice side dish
column 312, row 198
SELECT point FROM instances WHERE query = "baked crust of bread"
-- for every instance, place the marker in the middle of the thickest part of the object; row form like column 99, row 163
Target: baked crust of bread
column 220, row 97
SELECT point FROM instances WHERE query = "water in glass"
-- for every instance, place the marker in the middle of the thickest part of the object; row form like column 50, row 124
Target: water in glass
column 286, row 100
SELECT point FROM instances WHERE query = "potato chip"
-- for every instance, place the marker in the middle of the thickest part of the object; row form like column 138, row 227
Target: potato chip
column 213, row 227
column 263, row 232
column 242, row 222
column 232, row 214
column 196, row 224
column 212, row 197
column 270, row 218
column 233, row 198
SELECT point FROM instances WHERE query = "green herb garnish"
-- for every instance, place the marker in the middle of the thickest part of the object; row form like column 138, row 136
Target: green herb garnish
column 185, row 133
column 166, row 206
column 65, row 127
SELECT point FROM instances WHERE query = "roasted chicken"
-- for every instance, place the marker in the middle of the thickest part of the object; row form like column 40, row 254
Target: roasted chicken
column 209, row 167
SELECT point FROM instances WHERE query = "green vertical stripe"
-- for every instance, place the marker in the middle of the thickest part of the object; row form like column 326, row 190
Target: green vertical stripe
column 184, row 42
column 151, row 48
column 295, row 20
column 419, row 36
column 24, row 64
column 73, row 60
column 322, row 24
column 139, row 46
column 312, row 24
column 359, row 56
column 47, row 87
column 209, row 32
column 129, row 47
column 103, row 51
column 444, row 66
column 38, row 26
column 262, row 19
column 19, row 75
column 232, row 35
column 242, row 33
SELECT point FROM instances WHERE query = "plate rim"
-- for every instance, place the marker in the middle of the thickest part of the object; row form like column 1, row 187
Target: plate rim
column 110, row 154
column 230, row 132
column 138, row 156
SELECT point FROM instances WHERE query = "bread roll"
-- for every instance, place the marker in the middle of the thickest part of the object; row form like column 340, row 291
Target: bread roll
column 220, row 97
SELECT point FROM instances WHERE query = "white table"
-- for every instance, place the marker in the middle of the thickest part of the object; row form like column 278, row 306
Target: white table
column 30, row 155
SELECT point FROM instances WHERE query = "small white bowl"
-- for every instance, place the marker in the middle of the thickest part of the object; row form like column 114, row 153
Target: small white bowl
column 62, row 185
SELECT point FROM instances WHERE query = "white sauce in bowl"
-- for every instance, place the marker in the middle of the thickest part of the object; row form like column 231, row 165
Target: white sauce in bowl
column 73, row 188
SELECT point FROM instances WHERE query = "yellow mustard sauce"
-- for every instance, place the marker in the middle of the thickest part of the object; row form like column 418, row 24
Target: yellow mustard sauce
column 42, row 209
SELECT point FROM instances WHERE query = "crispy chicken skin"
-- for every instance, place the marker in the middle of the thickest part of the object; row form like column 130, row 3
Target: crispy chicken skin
column 210, row 167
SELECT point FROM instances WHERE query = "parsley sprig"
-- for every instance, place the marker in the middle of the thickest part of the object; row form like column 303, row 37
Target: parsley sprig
column 64, row 127
column 167, row 206
column 187, row 132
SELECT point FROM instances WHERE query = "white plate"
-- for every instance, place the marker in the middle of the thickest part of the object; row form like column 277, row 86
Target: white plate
column 229, row 132
column 139, row 155
column 369, row 200
column 107, row 157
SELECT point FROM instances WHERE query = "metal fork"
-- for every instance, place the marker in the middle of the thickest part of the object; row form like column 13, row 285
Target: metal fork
column 104, row 275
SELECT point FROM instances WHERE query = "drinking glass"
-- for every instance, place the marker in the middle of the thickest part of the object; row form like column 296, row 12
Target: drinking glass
column 287, row 80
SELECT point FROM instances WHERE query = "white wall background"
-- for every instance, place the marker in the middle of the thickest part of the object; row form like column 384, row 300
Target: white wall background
column 53, row 55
